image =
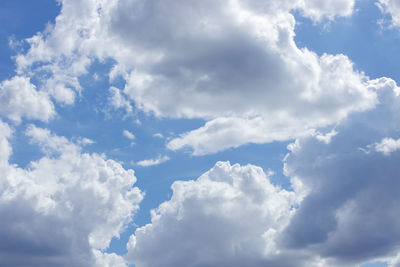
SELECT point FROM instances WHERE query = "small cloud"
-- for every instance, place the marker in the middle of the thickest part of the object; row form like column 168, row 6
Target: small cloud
column 118, row 100
column 158, row 135
column 128, row 134
column 96, row 77
column 85, row 141
column 386, row 146
column 151, row 162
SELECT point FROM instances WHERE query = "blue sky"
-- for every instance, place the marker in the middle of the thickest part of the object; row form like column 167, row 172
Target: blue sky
column 286, row 110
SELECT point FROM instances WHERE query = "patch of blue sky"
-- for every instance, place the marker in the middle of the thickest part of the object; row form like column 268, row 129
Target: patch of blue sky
column 375, row 264
column 373, row 49
column 22, row 19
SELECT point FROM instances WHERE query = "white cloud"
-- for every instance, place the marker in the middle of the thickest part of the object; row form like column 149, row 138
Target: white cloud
column 151, row 162
column 128, row 134
column 158, row 135
column 65, row 208
column 225, row 132
column 19, row 98
column 392, row 8
column 5, row 147
column 118, row 100
column 230, row 216
column 85, row 141
column 236, row 59
column 263, row 80
column 317, row 9
column 386, row 146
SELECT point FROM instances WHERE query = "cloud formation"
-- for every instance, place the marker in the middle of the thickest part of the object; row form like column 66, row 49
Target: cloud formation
column 19, row 98
column 65, row 208
column 351, row 212
column 235, row 60
column 230, row 216
column 343, row 210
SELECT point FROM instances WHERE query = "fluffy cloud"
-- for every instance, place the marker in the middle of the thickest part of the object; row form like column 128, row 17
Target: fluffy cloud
column 386, row 146
column 235, row 60
column 19, row 98
column 64, row 208
column 351, row 214
column 241, row 66
column 392, row 8
column 230, row 216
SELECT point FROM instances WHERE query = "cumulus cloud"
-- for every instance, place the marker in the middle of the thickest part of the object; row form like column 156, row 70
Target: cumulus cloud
column 64, row 209
column 351, row 213
column 232, row 59
column 151, row 162
column 392, row 8
column 230, row 216
column 19, row 98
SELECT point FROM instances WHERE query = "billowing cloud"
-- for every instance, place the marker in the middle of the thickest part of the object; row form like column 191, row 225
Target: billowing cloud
column 19, row 98
column 230, row 216
column 235, row 60
column 351, row 214
column 64, row 209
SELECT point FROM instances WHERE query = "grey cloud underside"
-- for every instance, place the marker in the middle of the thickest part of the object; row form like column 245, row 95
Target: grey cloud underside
column 352, row 212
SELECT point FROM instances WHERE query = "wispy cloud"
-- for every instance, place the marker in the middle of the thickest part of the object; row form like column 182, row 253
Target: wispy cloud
column 151, row 162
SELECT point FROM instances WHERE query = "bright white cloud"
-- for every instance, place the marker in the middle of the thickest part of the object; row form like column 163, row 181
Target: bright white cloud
column 386, row 146
column 19, row 98
column 392, row 8
column 63, row 209
column 317, row 9
column 151, row 162
column 118, row 100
